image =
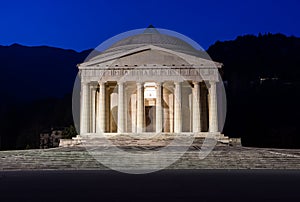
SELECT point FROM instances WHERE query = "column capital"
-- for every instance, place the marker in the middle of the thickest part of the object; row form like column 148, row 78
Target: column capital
column 158, row 83
column 139, row 83
column 93, row 87
column 212, row 82
column 84, row 82
column 177, row 83
column 101, row 82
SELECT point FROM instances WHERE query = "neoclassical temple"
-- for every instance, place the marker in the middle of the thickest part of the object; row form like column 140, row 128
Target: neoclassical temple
column 149, row 83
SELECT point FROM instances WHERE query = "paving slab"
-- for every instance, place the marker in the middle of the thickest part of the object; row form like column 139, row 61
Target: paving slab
column 221, row 157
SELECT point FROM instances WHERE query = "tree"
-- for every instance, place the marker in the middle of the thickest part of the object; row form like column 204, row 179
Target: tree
column 69, row 132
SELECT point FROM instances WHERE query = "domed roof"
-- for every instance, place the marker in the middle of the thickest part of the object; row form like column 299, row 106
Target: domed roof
column 151, row 36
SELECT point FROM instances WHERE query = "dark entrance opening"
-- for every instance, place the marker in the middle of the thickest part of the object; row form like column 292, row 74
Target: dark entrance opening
column 150, row 118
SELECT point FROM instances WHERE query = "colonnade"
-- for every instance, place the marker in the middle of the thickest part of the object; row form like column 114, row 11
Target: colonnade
column 95, row 108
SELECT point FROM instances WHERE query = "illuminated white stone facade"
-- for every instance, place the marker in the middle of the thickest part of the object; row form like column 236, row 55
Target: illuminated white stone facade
column 149, row 83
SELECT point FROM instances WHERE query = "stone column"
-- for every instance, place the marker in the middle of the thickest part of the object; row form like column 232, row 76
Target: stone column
column 101, row 109
column 121, row 111
column 107, row 109
column 213, row 110
column 140, row 107
column 158, row 108
column 166, row 110
column 126, row 109
column 93, row 109
column 171, row 113
column 133, row 113
column 196, row 108
column 97, row 111
column 177, row 108
column 84, row 106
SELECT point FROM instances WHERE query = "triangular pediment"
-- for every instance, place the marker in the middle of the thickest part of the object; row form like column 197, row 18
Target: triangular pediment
column 148, row 54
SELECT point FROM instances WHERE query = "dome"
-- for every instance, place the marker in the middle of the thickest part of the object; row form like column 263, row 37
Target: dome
column 152, row 36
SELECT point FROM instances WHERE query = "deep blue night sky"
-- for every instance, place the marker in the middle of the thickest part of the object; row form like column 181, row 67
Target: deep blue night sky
column 80, row 25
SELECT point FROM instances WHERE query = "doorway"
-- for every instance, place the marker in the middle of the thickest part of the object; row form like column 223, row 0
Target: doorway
column 150, row 114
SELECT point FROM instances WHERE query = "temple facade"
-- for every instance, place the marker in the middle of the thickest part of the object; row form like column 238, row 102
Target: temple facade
column 149, row 83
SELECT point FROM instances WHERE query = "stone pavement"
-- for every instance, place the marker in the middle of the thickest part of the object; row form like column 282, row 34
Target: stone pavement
column 222, row 156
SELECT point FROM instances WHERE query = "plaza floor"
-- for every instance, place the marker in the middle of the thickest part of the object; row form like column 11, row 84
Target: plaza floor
column 223, row 156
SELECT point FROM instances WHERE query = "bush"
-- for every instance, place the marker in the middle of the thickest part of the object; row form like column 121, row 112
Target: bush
column 69, row 132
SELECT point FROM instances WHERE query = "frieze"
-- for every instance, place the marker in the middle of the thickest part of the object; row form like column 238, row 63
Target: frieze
column 150, row 72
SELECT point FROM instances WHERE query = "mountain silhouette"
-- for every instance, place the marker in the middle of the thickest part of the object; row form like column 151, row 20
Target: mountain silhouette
column 262, row 88
column 35, row 87
column 30, row 73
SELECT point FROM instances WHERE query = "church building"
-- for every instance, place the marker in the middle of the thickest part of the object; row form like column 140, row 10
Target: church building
column 149, row 83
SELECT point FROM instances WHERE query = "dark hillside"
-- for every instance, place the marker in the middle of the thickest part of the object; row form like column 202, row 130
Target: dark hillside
column 263, row 74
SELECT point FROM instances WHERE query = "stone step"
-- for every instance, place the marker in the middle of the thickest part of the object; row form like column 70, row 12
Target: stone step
column 143, row 140
column 220, row 157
